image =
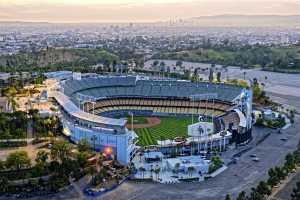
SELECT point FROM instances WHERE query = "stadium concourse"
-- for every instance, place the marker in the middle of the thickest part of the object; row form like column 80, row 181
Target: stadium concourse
column 93, row 107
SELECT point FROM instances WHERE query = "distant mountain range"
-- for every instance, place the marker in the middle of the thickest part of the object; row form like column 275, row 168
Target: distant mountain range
column 204, row 21
column 244, row 21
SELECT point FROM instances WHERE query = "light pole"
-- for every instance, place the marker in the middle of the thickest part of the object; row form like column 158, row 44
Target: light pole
column 193, row 102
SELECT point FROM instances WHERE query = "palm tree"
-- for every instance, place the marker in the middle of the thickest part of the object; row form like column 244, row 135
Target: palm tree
column 92, row 171
column 94, row 139
column 151, row 170
column 242, row 196
column 190, row 170
column 177, row 166
column 244, row 73
column 10, row 94
column 142, row 170
column 60, row 151
column 3, row 184
column 157, row 171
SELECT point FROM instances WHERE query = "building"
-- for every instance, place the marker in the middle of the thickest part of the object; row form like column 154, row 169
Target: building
column 89, row 106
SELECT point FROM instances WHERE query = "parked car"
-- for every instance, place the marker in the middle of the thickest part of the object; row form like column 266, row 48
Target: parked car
column 256, row 159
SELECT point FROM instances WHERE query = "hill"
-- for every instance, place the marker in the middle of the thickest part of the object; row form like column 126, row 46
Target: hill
column 245, row 21
column 57, row 57
column 283, row 59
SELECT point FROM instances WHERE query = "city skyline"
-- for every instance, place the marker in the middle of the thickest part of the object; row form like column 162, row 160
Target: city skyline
column 137, row 11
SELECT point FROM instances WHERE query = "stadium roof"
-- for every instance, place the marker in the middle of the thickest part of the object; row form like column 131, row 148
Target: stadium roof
column 73, row 110
column 103, row 87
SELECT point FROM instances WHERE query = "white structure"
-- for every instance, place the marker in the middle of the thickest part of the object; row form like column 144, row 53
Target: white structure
column 201, row 129
column 104, row 134
column 199, row 165
column 76, row 76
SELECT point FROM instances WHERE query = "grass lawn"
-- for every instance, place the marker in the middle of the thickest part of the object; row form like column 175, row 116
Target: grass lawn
column 169, row 128
column 137, row 120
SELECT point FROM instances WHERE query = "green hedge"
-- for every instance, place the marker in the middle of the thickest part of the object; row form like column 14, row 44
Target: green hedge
column 13, row 144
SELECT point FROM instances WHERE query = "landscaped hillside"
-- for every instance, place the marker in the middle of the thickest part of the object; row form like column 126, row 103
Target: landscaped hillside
column 269, row 58
column 57, row 57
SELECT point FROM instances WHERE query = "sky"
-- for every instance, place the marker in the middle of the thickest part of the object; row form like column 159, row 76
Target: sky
column 79, row 11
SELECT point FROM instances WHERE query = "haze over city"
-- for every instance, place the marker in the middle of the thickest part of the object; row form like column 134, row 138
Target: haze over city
column 137, row 10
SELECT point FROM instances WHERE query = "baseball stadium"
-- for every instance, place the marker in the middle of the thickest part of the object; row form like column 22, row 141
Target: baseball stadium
column 121, row 114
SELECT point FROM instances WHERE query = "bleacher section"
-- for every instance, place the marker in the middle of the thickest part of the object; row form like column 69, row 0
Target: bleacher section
column 131, row 86
column 160, row 105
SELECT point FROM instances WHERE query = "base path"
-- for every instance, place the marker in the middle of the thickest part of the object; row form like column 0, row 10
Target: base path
column 152, row 121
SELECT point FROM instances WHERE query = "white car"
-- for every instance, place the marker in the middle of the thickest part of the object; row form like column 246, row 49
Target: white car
column 256, row 159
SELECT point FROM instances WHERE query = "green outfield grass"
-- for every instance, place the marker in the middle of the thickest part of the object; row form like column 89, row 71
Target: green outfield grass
column 169, row 128
column 137, row 120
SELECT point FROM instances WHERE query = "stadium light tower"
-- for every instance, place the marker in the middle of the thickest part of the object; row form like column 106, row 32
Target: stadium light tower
column 193, row 105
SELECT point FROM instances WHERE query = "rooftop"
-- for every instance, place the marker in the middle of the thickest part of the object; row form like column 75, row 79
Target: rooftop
column 73, row 110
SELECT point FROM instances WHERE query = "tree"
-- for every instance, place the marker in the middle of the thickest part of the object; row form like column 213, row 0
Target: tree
column 219, row 77
column 18, row 160
column 42, row 157
column 255, row 195
column 41, row 162
column 273, row 179
column 94, row 139
column 227, row 197
column 142, row 170
column 179, row 63
column 157, row 171
column 92, row 171
column 191, row 169
column 83, row 145
column 60, row 151
column 242, row 196
column 155, row 63
column 82, row 158
column 216, row 163
column 290, row 162
column 211, row 75
column 244, row 73
column 162, row 66
column 2, row 165
column 3, row 184
column 263, row 188
column 297, row 156
column 10, row 93
column 296, row 192
column 177, row 166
